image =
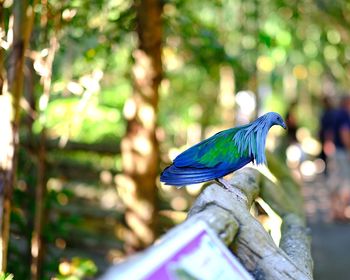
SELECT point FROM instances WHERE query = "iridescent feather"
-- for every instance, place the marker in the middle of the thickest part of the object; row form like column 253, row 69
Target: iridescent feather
column 222, row 153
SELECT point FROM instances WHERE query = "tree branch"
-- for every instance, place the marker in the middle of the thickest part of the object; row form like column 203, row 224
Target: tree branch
column 227, row 212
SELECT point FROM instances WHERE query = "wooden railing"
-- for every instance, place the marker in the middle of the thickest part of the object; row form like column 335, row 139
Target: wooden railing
column 227, row 213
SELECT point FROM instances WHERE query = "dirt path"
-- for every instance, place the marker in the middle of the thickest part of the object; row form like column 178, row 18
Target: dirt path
column 330, row 240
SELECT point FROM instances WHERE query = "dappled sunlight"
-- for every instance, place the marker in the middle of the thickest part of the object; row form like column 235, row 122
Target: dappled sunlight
column 311, row 146
column 174, row 152
column 147, row 115
column 308, row 169
column 247, row 105
column 76, row 268
column 272, row 222
column 143, row 71
column 65, row 268
column 265, row 64
column 226, row 96
column 68, row 14
column 115, row 256
column 106, row 177
column 129, row 109
column 274, row 137
column 127, row 235
column 68, row 119
column 40, row 62
column 91, row 82
column 143, row 146
column 176, row 216
column 126, row 187
column 179, row 203
column 166, row 188
column 85, row 191
column 300, row 72
column 266, row 172
column 308, row 143
column 294, row 155
column 320, row 165
column 54, row 184
column 109, row 199
column 194, row 189
column 74, row 87
column 62, row 199
column 297, row 155
column 142, row 231
column 6, row 139
column 172, row 61
column 194, row 133
column 114, row 90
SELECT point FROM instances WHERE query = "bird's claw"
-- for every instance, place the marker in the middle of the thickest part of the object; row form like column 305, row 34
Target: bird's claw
column 237, row 192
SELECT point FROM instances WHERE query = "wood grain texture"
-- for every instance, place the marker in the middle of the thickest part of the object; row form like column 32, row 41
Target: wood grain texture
column 227, row 213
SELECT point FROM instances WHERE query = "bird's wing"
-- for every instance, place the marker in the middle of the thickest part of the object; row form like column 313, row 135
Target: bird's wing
column 220, row 149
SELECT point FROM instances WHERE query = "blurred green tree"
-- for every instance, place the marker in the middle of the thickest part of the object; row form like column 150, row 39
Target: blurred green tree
column 106, row 64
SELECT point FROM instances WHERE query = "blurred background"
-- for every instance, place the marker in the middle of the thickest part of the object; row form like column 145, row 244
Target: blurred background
column 102, row 95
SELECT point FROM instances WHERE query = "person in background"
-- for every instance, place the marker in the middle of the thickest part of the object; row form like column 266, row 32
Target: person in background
column 327, row 123
column 292, row 123
column 339, row 162
column 344, row 129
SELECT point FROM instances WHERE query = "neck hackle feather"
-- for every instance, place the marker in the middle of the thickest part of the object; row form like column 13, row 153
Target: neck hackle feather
column 252, row 138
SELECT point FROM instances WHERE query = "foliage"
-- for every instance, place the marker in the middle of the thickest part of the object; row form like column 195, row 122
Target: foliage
column 77, row 268
column 6, row 276
column 283, row 51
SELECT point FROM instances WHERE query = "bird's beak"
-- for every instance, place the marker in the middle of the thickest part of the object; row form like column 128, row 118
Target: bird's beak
column 284, row 125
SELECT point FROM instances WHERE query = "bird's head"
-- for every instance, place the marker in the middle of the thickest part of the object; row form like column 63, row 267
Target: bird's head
column 276, row 119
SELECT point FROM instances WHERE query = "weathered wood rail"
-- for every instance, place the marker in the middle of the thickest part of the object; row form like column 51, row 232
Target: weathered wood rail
column 227, row 212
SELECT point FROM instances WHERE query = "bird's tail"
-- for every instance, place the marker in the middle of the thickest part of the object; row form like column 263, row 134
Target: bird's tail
column 181, row 176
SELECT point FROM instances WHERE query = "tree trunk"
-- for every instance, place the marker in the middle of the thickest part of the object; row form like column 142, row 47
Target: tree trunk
column 23, row 15
column 2, row 50
column 250, row 18
column 139, row 146
column 37, row 246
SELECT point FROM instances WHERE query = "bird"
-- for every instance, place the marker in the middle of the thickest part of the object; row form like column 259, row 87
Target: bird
column 222, row 153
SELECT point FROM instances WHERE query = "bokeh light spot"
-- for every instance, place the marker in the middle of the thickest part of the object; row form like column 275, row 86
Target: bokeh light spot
column 330, row 52
column 333, row 36
column 308, row 169
column 300, row 72
column 265, row 64
column 246, row 101
column 179, row 203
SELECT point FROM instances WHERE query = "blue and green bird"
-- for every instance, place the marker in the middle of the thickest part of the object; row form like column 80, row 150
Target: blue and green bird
column 222, row 153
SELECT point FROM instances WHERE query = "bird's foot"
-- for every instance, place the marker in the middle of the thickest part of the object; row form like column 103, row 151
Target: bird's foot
column 232, row 189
